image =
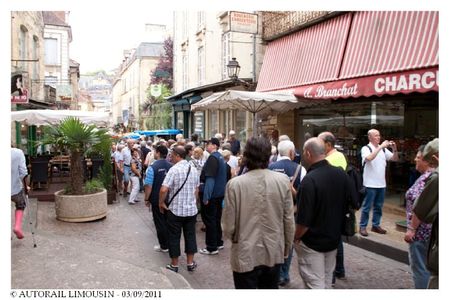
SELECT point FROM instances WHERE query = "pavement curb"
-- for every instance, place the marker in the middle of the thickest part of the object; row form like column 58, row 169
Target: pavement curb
column 378, row 247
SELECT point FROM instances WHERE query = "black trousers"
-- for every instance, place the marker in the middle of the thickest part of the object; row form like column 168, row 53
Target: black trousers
column 177, row 224
column 161, row 227
column 212, row 216
column 261, row 277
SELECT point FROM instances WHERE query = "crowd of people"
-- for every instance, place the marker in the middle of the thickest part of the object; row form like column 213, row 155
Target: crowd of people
column 268, row 202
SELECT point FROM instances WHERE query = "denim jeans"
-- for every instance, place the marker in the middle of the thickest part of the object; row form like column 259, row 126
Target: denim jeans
column 284, row 270
column 417, row 261
column 375, row 197
column 340, row 269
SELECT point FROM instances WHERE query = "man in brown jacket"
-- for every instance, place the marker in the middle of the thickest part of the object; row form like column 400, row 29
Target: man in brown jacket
column 258, row 218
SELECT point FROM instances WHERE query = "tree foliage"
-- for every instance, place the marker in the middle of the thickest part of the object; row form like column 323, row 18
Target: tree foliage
column 163, row 73
column 74, row 136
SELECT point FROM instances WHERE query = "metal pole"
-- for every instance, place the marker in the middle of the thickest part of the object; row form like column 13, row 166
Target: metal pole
column 255, row 134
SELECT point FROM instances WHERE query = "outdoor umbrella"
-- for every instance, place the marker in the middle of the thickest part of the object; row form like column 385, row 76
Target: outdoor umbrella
column 254, row 102
column 51, row 117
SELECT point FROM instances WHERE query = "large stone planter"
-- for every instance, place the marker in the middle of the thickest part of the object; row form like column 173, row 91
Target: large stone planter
column 80, row 208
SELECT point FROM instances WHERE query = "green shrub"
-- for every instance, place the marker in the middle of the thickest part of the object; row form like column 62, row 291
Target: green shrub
column 93, row 186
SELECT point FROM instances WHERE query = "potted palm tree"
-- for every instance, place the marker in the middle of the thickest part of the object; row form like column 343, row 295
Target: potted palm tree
column 77, row 203
column 102, row 151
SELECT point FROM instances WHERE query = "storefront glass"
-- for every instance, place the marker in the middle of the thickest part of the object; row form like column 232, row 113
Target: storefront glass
column 409, row 121
column 241, row 130
column 199, row 118
column 180, row 120
column 213, row 122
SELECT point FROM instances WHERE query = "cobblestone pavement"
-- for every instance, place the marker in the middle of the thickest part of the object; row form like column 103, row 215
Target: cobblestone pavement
column 117, row 253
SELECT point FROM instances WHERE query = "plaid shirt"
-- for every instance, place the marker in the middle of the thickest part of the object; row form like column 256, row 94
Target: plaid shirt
column 185, row 203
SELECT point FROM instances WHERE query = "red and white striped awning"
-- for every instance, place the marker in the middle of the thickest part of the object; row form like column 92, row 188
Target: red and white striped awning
column 391, row 41
column 305, row 57
column 386, row 53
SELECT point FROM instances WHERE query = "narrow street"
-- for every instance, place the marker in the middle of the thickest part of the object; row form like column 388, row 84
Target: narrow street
column 117, row 253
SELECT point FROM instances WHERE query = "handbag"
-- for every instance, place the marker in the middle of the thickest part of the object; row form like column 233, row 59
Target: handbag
column 349, row 224
column 181, row 187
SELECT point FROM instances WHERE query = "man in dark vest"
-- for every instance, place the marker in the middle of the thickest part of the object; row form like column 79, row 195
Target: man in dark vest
column 154, row 178
column 214, row 175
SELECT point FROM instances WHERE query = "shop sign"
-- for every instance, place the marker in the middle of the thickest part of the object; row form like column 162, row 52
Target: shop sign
column 421, row 81
column 243, row 22
column 155, row 90
column 19, row 89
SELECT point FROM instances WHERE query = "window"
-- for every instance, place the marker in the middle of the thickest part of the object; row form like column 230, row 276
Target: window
column 226, row 54
column 180, row 120
column 240, row 127
column 185, row 71
column 185, row 25
column 213, row 122
column 51, row 52
column 23, row 46
column 200, row 20
column 201, row 66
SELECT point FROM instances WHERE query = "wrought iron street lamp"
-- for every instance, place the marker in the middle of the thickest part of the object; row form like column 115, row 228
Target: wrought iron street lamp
column 233, row 68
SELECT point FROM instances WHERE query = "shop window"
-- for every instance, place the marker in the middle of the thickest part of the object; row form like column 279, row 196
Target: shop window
column 240, row 129
column 180, row 120
column 213, row 122
column 399, row 119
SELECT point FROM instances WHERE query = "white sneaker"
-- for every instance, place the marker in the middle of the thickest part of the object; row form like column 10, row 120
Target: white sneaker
column 220, row 247
column 159, row 249
column 131, row 202
column 205, row 251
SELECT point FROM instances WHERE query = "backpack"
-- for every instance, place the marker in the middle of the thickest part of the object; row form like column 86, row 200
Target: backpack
column 357, row 181
column 349, row 224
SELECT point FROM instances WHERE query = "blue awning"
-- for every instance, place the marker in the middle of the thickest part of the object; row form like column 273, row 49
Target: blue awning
column 158, row 132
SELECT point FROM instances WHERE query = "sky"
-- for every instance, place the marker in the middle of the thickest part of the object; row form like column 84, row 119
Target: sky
column 98, row 40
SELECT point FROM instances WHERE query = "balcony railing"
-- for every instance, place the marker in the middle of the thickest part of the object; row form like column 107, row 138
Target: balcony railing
column 279, row 23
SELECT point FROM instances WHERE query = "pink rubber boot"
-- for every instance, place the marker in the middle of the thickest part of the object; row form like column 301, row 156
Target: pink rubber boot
column 18, row 224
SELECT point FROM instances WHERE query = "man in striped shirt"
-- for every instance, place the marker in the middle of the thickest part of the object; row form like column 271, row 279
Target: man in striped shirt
column 181, row 182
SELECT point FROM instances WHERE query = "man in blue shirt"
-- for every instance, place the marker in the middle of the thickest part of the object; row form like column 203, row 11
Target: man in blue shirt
column 154, row 178
column 214, row 175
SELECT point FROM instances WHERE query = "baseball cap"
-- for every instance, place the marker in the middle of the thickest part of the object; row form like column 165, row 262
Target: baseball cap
column 232, row 132
column 214, row 141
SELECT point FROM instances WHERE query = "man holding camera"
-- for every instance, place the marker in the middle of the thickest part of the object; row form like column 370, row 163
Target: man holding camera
column 374, row 161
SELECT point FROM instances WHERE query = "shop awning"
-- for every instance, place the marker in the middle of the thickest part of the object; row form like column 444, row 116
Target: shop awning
column 386, row 53
column 51, row 117
column 309, row 56
column 391, row 41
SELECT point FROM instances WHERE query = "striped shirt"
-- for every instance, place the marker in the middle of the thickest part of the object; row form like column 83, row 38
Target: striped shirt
column 185, row 203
